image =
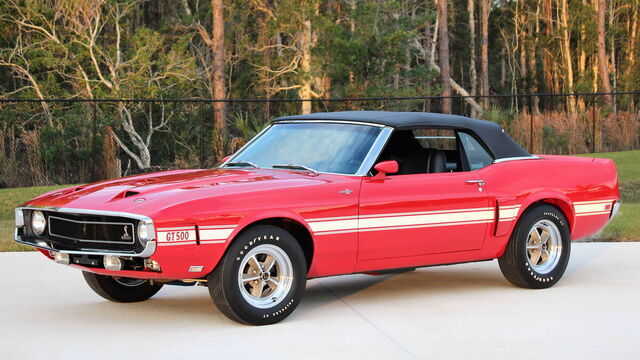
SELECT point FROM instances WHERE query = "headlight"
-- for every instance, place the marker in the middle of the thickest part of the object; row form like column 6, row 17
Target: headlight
column 19, row 218
column 146, row 232
column 38, row 222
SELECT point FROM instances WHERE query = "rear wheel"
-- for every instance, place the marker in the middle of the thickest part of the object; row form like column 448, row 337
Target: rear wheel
column 538, row 251
column 262, row 277
column 121, row 289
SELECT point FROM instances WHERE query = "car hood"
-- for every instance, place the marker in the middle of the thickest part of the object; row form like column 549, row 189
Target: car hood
column 147, row 194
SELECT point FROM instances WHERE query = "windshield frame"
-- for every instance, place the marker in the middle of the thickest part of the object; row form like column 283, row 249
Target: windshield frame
column 366, row 165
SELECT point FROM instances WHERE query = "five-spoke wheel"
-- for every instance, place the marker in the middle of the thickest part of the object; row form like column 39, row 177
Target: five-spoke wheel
column 538, row 251
column 261, row 278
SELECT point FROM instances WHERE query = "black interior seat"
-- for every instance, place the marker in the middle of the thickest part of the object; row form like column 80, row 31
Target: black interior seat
column 404, row 148
column 436, row 161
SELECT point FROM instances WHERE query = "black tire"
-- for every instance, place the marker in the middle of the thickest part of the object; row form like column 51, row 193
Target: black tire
column 122, row 290
column 515, row 263
column 224, row 284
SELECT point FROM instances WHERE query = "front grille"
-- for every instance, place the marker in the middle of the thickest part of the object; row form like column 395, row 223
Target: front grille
column 108, row 232
column 86, row 232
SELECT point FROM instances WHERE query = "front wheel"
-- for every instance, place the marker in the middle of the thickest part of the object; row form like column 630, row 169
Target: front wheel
column 538, row 251
column 262, row 277
column 121, row 289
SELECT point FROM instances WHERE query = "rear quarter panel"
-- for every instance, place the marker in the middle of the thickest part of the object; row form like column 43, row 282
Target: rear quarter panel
column 584, row 189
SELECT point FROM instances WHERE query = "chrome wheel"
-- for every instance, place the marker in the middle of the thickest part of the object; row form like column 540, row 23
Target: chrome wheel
column 544, row 246
column 265, row 276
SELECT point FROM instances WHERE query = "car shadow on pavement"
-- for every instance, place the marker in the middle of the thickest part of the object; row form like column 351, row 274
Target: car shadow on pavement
column 193, row 304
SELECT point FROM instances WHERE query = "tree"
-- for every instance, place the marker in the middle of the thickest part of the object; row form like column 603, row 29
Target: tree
column 215, row 41
column 444, row 56
column 602, row 54
column 473, row 77
column 484, row 74
column 70, row 52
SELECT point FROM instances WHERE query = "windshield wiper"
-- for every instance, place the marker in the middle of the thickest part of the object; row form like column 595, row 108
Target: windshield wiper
column 295, row 167
column 242, row 163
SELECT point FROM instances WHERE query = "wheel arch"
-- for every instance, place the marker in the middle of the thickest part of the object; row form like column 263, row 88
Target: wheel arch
column 557, row 200
column 295, row 227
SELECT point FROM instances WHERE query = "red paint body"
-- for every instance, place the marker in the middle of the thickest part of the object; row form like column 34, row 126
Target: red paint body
column 356, row 224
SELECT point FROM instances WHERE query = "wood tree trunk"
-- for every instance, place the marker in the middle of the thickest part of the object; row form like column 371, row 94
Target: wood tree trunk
column 305, row 91
column 566, row 53
column 548, row 74
column 602, row 52
column 471, row 8
column 445, row 72
column 484, row 75
column 218, row 76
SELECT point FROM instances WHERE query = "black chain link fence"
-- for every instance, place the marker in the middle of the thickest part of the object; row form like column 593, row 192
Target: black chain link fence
column 46, row 142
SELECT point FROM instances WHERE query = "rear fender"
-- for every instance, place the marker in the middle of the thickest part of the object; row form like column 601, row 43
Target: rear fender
column 556, row 198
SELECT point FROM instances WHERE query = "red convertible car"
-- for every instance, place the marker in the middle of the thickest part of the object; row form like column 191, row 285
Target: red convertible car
column 327, row 194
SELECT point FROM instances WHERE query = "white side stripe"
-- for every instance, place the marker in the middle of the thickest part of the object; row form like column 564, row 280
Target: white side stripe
column 215, row 234
column 508, row 213
column 380, row 222
column 599, row 207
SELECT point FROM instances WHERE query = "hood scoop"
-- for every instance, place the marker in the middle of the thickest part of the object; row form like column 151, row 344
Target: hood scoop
column 126, row 194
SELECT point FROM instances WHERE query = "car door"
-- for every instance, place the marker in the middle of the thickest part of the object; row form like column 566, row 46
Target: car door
column 423, row 213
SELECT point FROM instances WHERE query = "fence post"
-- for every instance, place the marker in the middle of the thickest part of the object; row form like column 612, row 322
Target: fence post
column 201, row 137
column 531, row 144
column 94, row 143
column 593, row 129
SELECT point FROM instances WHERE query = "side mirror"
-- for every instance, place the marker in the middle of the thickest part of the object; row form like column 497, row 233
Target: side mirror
column 224, row 159
column 385, row 167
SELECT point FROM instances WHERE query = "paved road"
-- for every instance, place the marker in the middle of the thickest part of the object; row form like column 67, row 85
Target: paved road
column 469, row 311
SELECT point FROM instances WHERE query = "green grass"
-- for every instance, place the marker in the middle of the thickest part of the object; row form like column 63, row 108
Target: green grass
column 9, row 199
column 625, row 227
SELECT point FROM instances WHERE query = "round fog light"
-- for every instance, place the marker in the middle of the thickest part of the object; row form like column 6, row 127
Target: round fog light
column 112, row 263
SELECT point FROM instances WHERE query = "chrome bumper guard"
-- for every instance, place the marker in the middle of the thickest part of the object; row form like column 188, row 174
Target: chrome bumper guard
column 614, row 211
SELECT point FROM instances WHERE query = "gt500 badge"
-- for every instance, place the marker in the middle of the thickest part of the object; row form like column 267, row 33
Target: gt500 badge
column 177, row 235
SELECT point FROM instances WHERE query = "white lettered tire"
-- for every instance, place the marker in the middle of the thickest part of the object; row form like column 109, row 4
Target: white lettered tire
column 538, row 252
column 262, row 277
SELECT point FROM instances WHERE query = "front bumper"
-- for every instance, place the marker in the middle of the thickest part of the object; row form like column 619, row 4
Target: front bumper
column 149, row 249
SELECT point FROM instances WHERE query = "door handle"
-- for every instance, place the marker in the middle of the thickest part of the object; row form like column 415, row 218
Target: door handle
column 479, row 182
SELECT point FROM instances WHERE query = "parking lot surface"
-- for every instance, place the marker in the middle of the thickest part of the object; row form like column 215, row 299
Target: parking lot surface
column 461, row 311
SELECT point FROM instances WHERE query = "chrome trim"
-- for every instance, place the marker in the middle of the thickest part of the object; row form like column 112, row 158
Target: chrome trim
column 515, row 158
column 87, row 212
column 330, row 121
column 479, row 182
column 614, row 211
column 19, row 217
column 133, row 230
column 375, row 151
column 149, row 249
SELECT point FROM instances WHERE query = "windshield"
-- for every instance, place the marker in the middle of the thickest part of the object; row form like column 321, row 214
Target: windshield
column 325, row 147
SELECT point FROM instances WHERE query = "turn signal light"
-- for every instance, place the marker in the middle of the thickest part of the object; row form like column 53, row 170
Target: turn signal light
column 61, row 258
column 152, row 265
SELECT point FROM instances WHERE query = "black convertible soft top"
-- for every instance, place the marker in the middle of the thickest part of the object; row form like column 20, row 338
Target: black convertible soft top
column 494, row 137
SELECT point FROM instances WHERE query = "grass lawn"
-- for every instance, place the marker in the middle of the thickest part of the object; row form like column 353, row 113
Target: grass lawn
column 9, row 199
column 625, row 227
